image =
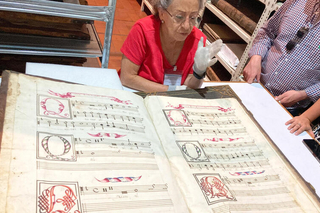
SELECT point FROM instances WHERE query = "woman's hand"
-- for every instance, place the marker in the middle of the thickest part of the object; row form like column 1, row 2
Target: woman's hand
column 204, row 56
column 299, row 124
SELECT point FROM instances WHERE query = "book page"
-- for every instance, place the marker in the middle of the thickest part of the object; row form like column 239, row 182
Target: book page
column 74, row 148
column 222, row 160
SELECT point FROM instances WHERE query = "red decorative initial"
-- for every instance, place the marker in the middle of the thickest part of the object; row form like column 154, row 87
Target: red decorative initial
column 59, row 107
column 214, row 187
column 51, row 197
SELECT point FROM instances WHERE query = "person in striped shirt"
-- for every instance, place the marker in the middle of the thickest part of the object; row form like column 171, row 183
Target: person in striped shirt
column 285, row 55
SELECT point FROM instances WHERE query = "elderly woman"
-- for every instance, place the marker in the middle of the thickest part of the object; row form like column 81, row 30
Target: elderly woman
column 166, row 50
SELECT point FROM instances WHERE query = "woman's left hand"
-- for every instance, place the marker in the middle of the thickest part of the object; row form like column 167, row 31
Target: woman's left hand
column 299, row 124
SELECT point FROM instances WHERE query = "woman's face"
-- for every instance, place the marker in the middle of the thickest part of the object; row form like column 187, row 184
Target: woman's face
column 179, row 18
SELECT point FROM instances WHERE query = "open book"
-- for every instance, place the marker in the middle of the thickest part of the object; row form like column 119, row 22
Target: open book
column 74, row 148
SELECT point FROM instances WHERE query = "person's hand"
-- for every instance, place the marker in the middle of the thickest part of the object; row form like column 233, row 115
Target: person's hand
column 252, row 70
column 204, row 56
column 299, row 124
column 291, row 97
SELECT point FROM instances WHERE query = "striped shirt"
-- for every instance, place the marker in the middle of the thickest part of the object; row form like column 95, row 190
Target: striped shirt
column 299, row 68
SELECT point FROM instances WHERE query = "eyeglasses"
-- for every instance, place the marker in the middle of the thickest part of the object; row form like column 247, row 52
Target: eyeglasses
column 179, row 19
column 303, row 30
column 300, row 34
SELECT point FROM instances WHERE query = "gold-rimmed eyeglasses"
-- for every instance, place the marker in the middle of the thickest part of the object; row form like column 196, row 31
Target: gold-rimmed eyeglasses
column 180, row 19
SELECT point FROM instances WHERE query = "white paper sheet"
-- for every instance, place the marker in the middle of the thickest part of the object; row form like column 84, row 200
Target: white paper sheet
column 99, row 77
column 272, row 117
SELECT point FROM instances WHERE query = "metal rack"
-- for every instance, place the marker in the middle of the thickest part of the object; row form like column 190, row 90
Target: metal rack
column 148, row 4
column 270, row 5
column 49, row 46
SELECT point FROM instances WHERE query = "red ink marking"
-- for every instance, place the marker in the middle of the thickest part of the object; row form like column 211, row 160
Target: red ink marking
column 246, row 173
column 59, row 107
column 110, row 135
column 182, row 106
column 119, row 179
column 221, row 139
column 56, row 199
column 179, row 123
column 214, row 187
column 73, row 94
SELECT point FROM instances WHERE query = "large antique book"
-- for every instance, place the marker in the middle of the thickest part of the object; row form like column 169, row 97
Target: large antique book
column 74, row 148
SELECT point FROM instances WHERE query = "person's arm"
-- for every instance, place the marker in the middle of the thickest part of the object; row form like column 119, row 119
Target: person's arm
column 192, row 82
column 291, row 97
column 302, row 123
column 129, row 77
column 252, row 70
column 262, row 43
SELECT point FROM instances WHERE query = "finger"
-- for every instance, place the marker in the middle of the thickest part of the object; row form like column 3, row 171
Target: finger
column 290, row 127
column 299, row 131
column 250, row 80
column 258, row 78
column 215, row 47
column 216, row 43
column 280, row 96
column 278, row 99
column 212, row 62
column 310, row 132
column 200, row 44
column 289, row 122
column 295, row 128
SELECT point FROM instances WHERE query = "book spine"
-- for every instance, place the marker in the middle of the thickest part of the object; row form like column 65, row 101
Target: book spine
column 237, row 16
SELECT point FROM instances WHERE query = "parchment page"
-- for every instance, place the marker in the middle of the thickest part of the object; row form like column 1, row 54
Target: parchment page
column 222, row 161
column 76, row 148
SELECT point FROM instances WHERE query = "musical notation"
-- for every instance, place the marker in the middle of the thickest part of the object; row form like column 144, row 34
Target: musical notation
column 261, row 192
column 236, row 155
column 113, row 142
column 47, row 122
column 108, row 153
column 228, row 166
column 208, row 115
column 104, row 105
column 125, row 205
column 266, row 207
column 115, row 117
column 252, row 180
column 220, row 131
column 85, row 190
column 215, row 123
column 249, row 144
column 96, row 166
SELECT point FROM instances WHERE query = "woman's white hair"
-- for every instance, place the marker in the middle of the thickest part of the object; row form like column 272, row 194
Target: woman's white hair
column 164, row 4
